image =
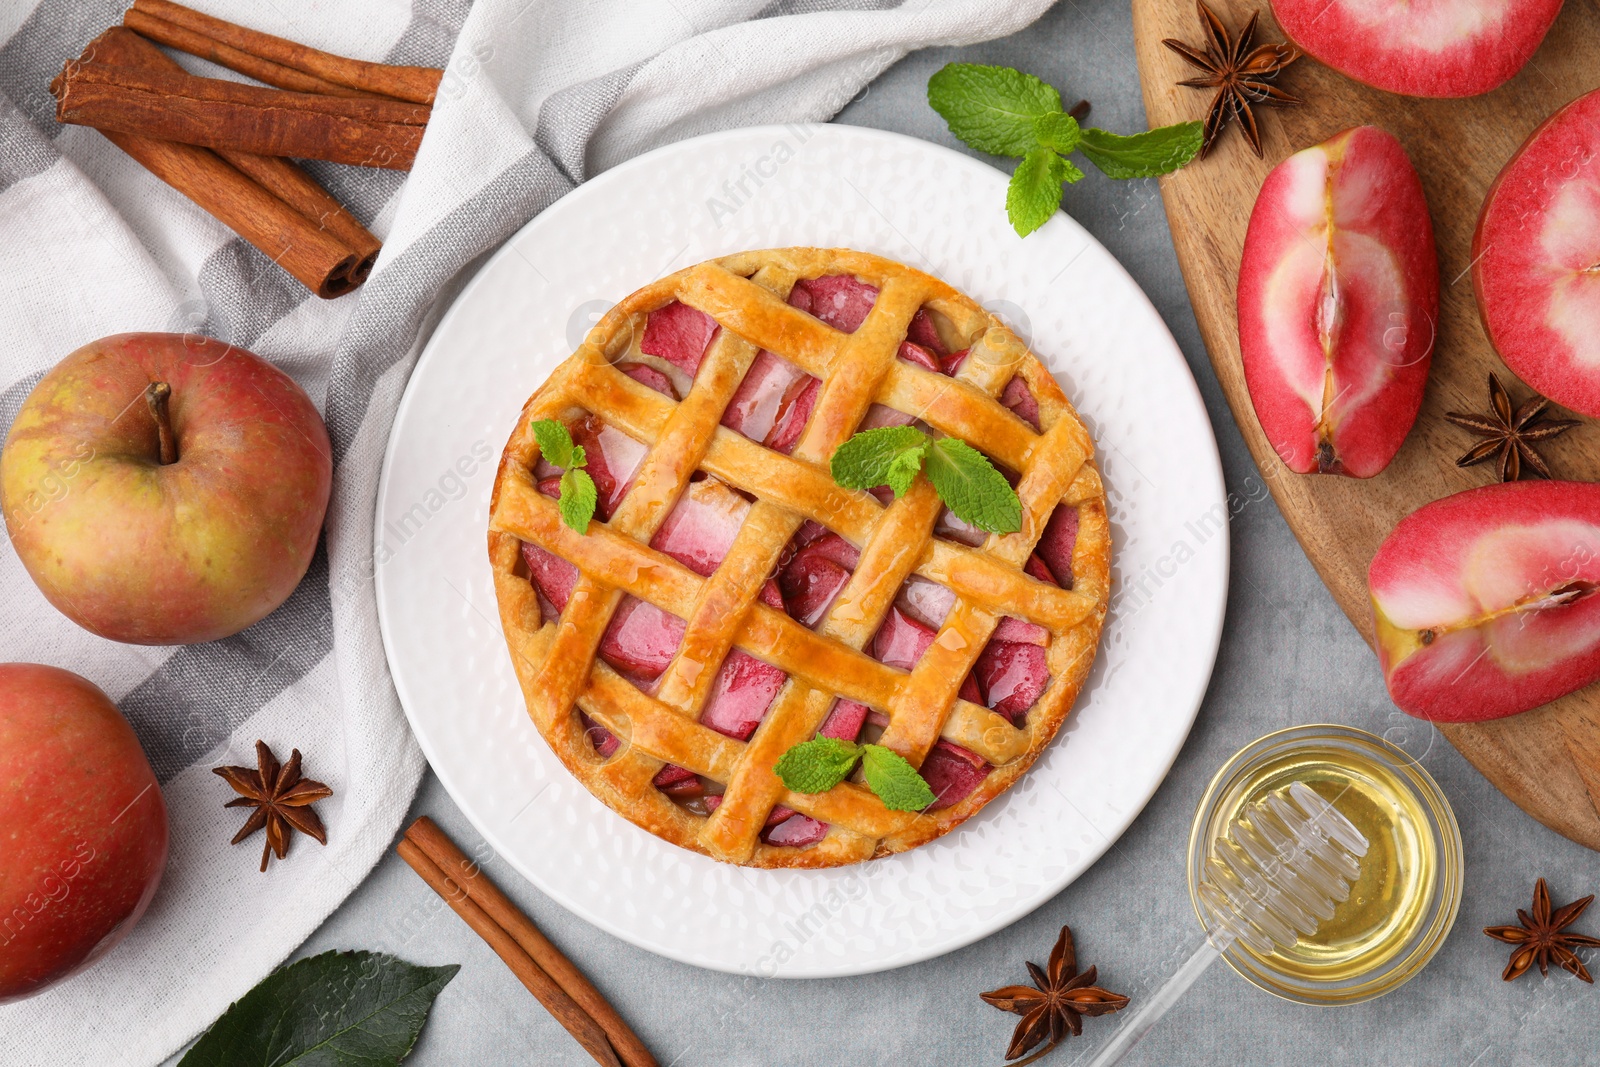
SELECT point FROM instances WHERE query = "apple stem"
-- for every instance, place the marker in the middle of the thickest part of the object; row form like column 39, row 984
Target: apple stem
column 156, row 396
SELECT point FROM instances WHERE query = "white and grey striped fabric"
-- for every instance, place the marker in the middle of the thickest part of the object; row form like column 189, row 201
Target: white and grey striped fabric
column 538, row 95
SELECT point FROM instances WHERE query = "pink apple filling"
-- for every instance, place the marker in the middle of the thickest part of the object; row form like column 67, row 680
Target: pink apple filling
column 952, row 773
column 678, row 334
column 1052, row 557
column 815, row 568
column 922, row 331
column 794, row 830
column 1020, row 399
column 741, row 694
column 879, row 415
column 699, row 531
column 839, row 300
column 643, row 372
column 611, row 457
column 845, row 720
column 604, row 741
column 901, row 640
column 784, row 826
column 680, row 783
column 640, row 640
column 918, row 356
column 773, row 402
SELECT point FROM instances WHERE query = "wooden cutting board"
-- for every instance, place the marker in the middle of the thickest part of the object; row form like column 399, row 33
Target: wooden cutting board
column 1546, row 760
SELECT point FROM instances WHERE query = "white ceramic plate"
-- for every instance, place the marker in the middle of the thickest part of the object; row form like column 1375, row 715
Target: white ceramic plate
column 758, row 188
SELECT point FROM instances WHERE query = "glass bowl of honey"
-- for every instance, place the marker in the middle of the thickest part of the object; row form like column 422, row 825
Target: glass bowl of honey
column 1402, row 906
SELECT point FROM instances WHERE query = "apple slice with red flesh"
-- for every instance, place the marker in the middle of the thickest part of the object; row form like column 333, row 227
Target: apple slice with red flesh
column 1338, row 297
column 1439, row 48
column 1536, row 258
column 1484, row 601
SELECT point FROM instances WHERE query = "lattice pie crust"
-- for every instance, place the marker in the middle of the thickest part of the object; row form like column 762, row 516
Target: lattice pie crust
column 774, row 310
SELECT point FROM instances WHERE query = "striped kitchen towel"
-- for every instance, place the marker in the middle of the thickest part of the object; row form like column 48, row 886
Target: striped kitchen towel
column 537, row 95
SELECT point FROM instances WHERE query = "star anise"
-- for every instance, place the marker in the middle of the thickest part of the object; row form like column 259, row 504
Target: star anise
column 1241, row 77
column 1509, row 434
column 1540, row 937
column 281, row 797
column 1057, row 1006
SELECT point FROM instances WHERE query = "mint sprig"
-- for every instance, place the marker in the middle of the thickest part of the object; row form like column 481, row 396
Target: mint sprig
column 578, row 493
column 1008, row 113
column 962, row 476
column 817, row 765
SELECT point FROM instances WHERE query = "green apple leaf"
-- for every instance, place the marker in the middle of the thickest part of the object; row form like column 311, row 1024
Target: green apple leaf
column 339, row 1009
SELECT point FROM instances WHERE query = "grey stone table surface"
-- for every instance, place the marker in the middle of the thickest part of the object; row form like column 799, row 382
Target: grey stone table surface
column 1288, row 657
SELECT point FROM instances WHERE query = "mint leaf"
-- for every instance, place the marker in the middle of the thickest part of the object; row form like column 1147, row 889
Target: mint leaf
column 817, row 765
column 1057, row 131
column 903, row 469
column 339, row 1009
column 991, row 108
column 1142, row 155
column 970, row 486
column 896, row 782
column 578, row 493
column 874, row 457
column 578, row 499
column 555, row 443
column 1035, row 189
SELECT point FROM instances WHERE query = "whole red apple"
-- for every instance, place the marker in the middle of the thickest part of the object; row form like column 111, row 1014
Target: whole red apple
column 165, row 488
column 83, row 827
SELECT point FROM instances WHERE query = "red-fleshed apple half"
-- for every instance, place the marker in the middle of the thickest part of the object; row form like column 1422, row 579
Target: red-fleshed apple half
column 83, row 827
column 1338, row 300
column 1536, row 258
column 1483, row 601
column 1420, row 47
column 165, row 488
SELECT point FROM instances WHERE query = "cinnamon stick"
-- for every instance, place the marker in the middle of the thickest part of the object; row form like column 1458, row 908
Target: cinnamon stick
column 318, row 260
column 175, row 81
column 315, row 252
column 198, row 44
column 530, row 974
column 438, row 847
column 417, row 84
column 283, row 179
column 246, row 118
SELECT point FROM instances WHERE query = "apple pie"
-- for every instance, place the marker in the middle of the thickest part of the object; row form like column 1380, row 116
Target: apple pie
column 730, row 600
